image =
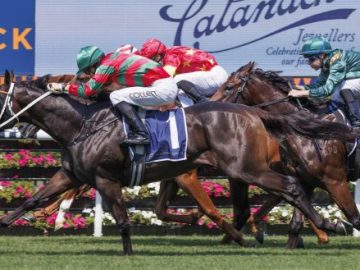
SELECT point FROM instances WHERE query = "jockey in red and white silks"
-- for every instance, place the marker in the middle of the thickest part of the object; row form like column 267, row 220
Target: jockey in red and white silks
column 198, row 67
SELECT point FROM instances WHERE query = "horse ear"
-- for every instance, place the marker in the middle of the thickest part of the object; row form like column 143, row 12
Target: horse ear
column 7, row 77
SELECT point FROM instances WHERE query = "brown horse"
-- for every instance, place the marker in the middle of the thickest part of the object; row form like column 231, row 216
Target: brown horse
column 92, row 153
column 323, row 166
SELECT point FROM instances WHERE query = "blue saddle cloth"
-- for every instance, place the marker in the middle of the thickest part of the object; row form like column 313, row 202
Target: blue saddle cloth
column 168, row 134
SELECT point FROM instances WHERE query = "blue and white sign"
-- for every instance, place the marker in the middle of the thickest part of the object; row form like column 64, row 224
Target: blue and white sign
column 17, row 36
column 269, row 32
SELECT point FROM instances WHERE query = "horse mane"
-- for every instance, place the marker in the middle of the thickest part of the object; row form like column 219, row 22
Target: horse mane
column 274, row 79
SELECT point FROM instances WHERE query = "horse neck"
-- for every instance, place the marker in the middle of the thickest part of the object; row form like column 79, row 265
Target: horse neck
column 268, row 93
column 56, row 115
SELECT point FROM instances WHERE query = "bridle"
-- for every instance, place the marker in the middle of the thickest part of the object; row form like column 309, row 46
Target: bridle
column 8, row 104
column 8, row 101
column 242, row 86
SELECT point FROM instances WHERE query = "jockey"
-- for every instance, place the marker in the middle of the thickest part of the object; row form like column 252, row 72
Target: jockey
column 339, row 76
column 196, row 72
column 148, row 84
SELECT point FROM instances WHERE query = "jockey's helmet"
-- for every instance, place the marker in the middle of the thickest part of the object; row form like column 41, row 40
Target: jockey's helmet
column 316, row 46
column 151, row 48
column 88, row 56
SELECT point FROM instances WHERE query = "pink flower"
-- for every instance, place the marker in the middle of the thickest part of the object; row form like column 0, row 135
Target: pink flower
column 211, row 225
column 23, row 162
column 79, row 222
column 38, row 160
column 21, row 222
column 9, row 156
column 92, row 194
column 5, row 183
column 28, row 194
column 50, row 159
column 66, row 225
column 51, row 220
column 201, row 222
column 20, row 189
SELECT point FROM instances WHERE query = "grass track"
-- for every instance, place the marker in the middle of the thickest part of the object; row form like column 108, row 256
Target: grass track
column 173, row 252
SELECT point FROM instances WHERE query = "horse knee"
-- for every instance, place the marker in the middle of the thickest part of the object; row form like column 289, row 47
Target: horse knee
column 295, row 227
column 30, row 204
column 160, row 214
column 293, row 187
column 240, row 219
column 124, row 229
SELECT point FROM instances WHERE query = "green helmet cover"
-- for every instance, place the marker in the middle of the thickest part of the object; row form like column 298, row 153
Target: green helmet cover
column 87, row 57
column 316, row 46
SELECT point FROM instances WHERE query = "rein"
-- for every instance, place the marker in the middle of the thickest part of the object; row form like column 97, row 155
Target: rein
column 80, row 138
column 272, row 102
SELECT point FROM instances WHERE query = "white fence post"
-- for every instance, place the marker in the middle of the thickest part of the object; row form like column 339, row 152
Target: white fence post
column 356, row 233
column 98, row 215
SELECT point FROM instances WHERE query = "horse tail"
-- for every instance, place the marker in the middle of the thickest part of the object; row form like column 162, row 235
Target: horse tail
column 302, row 124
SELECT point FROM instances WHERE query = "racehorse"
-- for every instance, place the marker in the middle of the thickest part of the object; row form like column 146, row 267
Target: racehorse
column 92, row 137
column 316, row 164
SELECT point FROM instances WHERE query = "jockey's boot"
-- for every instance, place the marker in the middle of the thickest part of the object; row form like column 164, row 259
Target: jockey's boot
column 355, row 122
column 190, row 89
column 352, row 104
column 139, row 133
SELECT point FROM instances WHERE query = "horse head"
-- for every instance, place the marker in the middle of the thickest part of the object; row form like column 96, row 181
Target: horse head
column 6, row 105
column 253, row 86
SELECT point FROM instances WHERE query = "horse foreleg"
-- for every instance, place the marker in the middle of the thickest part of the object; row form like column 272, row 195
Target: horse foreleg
column 192, row 186
column 296, row 224
column 322, row 236
column 340, row 193
column 57, row 184
column 63, row 205
column 289, row 188
column 168, row 191
column 241, row 206
column 112, row 195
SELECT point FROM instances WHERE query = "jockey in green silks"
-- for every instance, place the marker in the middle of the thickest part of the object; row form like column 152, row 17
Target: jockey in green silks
column 339, row 77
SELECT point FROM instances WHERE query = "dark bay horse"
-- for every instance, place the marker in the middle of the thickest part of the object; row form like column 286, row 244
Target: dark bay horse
column 323, row 166
column 90, row 136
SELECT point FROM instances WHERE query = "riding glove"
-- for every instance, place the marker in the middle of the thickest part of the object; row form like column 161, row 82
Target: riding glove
column 57, row 88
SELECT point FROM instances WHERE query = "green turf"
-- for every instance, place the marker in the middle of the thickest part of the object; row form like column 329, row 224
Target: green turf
column 173, row 252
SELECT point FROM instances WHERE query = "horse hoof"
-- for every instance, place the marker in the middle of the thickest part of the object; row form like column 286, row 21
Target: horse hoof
column 4, row 224
column 323, row 241
column 226, row 240
column 340, row 228
column 29, row 218
column 300, row 243
column 259, row 236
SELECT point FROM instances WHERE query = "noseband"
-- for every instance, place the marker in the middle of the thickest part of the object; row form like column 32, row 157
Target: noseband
column 8, row 100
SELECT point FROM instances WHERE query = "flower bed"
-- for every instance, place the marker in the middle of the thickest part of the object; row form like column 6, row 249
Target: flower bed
column 16, row 191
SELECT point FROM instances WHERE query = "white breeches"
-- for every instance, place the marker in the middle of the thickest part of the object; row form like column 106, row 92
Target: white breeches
column 353, row 84
column 206, row 82
column 161, row 92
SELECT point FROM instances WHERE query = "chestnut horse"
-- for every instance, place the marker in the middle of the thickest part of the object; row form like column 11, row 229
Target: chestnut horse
column 323, row 166
column 94, row 153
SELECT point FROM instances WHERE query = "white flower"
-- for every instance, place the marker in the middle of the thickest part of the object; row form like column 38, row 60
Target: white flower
column 156, row 221
column 285, row 213
column 87, row 210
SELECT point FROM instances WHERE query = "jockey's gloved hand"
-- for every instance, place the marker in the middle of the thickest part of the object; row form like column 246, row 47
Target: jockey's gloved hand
column 57, row 88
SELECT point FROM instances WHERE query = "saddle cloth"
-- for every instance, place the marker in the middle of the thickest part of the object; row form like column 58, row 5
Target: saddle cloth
column 168, row 134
